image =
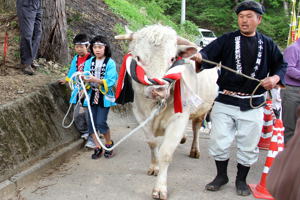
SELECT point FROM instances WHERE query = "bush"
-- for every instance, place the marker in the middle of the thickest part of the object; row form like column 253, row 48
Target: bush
column 140, row 13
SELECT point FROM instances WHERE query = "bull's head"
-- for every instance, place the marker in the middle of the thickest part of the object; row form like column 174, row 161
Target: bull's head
column 183, row 45
column 155, row 48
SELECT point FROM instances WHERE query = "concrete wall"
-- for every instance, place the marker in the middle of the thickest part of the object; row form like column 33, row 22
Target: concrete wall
column 30, row 128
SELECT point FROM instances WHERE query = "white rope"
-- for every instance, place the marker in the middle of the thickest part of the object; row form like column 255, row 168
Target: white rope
column 73, row 85
column 63, row 121
column 238, row 73
column 80, row 84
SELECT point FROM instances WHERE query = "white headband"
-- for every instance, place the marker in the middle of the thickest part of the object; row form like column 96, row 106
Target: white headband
column 87, row 42
column 99, row 43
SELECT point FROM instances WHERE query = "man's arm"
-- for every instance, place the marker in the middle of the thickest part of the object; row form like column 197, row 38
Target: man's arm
column 212, row 52
column 277, row 71
column 291, row 55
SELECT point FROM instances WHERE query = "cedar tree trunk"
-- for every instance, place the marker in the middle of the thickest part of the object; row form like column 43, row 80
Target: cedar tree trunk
column 54, row 43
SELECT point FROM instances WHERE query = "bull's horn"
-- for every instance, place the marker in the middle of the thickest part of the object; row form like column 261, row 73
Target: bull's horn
column 128, row 36
column 183, row 41
column 127, row 30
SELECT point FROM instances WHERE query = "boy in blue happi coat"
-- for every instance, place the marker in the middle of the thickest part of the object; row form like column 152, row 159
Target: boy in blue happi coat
column 81, row 45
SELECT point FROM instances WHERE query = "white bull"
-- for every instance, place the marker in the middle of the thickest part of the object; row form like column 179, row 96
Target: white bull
column 155, row 48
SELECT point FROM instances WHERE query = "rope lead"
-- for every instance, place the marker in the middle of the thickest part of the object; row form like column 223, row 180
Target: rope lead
column 79, row 83
column 241, row 74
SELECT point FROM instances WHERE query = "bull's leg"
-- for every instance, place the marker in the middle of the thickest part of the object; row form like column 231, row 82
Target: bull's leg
column 153, row 169
column 173, row 135
column 183, row 139
column 195, row 150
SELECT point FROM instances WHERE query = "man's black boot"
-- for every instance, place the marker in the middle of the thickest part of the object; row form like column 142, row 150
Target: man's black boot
column 242, row 188
column 221, row 178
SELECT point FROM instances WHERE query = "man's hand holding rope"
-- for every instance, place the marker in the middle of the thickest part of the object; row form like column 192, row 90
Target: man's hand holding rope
column 197, row 58
column 270, row 82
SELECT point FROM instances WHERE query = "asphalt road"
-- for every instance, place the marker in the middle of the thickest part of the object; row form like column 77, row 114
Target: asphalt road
column 125, row 176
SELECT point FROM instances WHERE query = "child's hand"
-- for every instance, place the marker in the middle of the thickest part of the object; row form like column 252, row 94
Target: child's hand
column 92, row 79
column 62, row 81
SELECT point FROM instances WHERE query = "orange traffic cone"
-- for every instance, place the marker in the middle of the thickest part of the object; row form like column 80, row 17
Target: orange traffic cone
column 278, row 126
column 267, row 128
column 276, row 145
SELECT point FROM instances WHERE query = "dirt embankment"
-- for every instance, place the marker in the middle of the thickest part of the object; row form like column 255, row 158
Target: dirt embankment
column 92, row 17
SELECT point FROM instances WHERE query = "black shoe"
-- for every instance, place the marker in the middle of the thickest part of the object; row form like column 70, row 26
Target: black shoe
column 109, row 154
column 217, row 183
column 221, row 178
column 35, row 65
column 97, row 153
column 28, row 70
column 242, row 189
column 241, row 186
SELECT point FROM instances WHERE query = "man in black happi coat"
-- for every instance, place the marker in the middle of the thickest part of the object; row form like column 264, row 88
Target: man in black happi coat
column 255, row 55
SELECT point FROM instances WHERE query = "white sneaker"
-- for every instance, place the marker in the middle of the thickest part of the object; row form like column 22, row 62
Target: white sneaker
column 206, row 131
column 90, row 144
column 85, row 136
column 209, row 125
column 202, row 129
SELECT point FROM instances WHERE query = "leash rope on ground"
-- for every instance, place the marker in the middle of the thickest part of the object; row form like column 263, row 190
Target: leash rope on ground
column 73, row 85
column 79, row 82
column 241, row 74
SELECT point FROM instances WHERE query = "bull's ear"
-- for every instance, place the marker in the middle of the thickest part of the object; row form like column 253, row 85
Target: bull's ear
column 186, row 50
column 127, row 36
column 183, row 41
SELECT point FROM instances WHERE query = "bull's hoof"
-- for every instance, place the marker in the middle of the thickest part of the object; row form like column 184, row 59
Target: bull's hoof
column 160, row 195
column 152, row 172
column 195, row 154
column 183, row 140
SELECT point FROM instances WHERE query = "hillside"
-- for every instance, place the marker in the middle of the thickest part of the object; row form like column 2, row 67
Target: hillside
column 94, row 17
column 108, row 17
column 14, row 84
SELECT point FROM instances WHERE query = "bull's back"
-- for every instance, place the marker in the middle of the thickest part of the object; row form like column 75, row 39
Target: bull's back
column 207, row 84
column 207, row 90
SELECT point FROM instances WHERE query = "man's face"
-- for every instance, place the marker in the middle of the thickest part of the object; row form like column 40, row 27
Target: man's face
column 81, row 49
column 248, row 21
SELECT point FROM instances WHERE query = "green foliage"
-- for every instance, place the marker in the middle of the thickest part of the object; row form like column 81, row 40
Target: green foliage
column 64, row 68
column 14, row 24
column 141, row 13
column 214, row 15
column 70, row 36
column 276, row 27
column 274, row 3
column 218, row 16
column 128, row 11
column 74, row 17
column 16, row 39
column 17, row 54
column 190, row 30
column 119, row 28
